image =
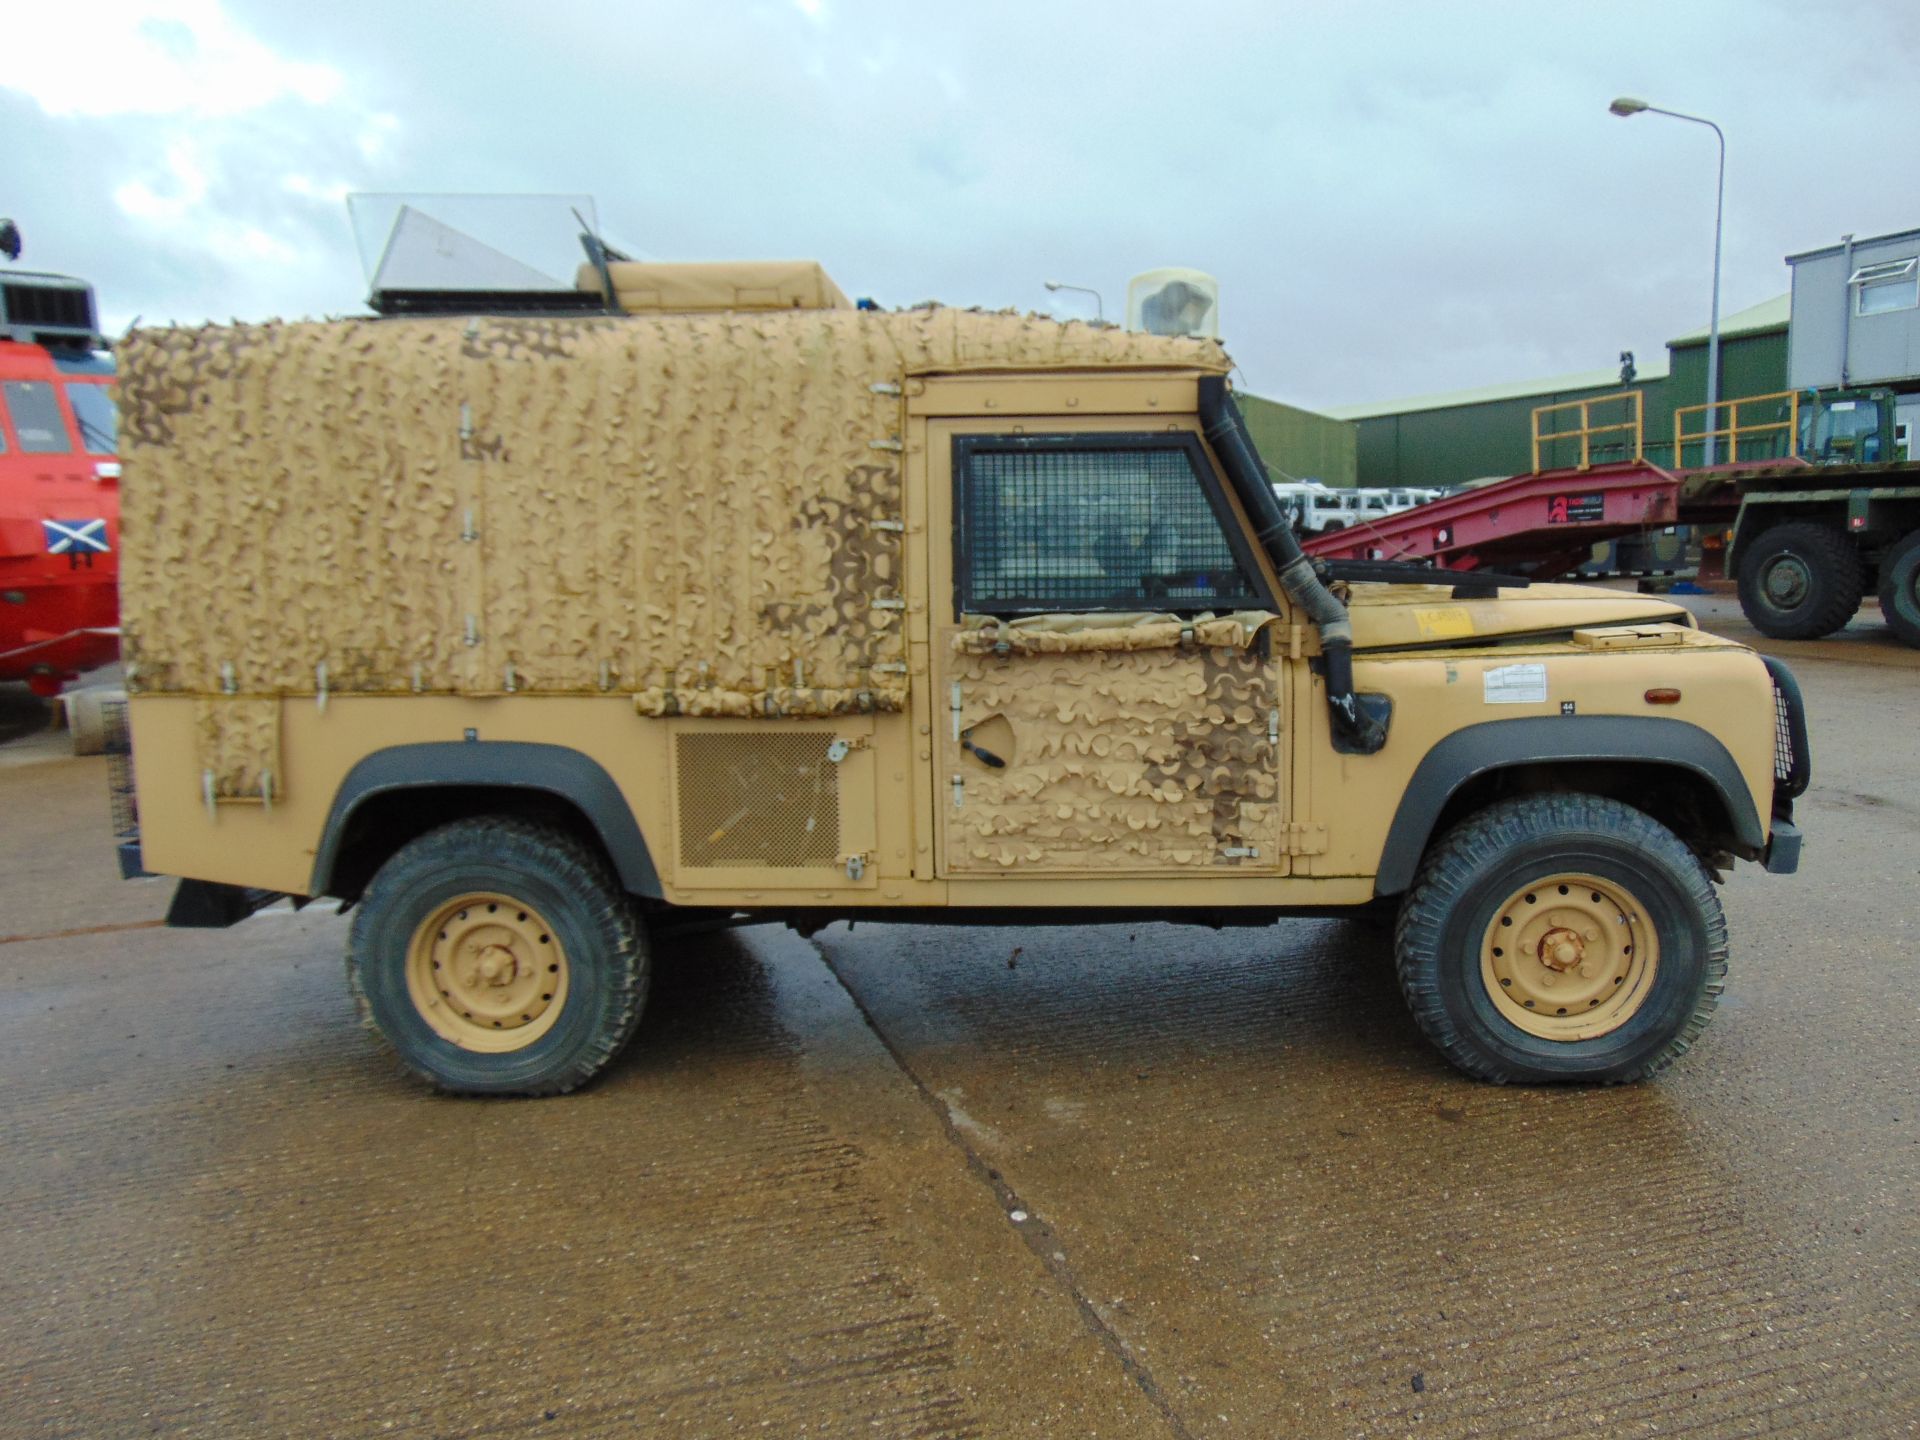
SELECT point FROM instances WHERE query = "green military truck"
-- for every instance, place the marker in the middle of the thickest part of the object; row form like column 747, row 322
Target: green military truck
column 1814, row 538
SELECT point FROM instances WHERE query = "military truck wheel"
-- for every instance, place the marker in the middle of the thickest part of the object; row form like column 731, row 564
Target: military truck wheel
column 1800, row 580
column 1561, row 937
column 1900, row 589
column 498, row 957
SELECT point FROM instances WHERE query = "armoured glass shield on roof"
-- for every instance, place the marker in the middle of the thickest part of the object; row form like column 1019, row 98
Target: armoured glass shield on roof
column 478, row 243
column 35, row 412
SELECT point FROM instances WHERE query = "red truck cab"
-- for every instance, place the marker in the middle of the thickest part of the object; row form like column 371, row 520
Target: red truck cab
column 59, row 484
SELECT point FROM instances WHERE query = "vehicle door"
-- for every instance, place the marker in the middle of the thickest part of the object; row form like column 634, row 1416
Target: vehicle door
column 1095, row 710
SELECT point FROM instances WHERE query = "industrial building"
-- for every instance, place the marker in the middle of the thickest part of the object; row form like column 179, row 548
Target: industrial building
column 1851, row 319
column 1298, row 444
column 1856, row 320
column 1464, row 435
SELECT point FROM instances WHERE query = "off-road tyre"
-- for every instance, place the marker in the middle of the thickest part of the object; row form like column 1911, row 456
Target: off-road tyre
column 1451, row 917
column 567, row 901
column 1800, row 580
column 1900, row 589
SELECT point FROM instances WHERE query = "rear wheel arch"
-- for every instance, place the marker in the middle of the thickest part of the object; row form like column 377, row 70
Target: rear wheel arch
column 396, row 795
column 1671, row 770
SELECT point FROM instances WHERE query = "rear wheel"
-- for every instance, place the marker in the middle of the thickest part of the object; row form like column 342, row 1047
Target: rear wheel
column 499, row 957
column 1561, row 937
column 1900, row 589
column 1800, row 580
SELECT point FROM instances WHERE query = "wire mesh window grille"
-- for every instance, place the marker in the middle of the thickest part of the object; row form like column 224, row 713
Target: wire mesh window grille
column 1085, row 523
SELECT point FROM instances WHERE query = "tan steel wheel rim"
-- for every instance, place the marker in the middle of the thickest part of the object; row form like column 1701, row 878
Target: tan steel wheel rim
column 1569, row 957
column 487, row 972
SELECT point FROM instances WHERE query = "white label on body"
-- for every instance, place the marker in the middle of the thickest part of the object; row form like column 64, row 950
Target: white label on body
column 1516, row 685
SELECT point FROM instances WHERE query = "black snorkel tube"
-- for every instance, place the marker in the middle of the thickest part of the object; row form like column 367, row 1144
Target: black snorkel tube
column 1227, row 433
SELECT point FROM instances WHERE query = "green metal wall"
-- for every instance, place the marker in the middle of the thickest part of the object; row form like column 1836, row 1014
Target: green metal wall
column 1298, row 444
column 1750, row 364
column 1457, row 443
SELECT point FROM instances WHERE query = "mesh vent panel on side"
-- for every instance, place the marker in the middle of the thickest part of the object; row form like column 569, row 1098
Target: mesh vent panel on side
column 757, row 800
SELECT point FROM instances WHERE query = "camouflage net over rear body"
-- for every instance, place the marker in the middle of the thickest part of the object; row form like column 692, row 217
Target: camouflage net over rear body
column 702, row 511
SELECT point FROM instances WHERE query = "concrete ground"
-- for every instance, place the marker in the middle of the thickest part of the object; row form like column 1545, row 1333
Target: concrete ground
column 896, row 1181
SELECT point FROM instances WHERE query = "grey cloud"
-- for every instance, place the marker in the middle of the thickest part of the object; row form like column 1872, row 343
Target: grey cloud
column 1397, row 197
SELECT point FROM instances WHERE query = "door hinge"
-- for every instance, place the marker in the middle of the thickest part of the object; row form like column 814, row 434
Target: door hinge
column 1305, row 839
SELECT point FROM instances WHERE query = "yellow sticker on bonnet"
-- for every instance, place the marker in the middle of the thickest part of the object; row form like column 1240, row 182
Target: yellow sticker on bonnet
column 1446, row 622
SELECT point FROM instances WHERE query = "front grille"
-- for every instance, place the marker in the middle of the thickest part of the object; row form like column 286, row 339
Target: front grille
column 119, row 751
column 757, row 800
column 1792, row 758
column 1782, row 741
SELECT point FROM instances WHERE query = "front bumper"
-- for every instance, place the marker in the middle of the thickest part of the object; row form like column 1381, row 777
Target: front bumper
column 1783, row 850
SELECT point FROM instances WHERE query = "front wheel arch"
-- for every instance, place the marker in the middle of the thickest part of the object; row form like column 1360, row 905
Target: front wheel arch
column 1672, row 770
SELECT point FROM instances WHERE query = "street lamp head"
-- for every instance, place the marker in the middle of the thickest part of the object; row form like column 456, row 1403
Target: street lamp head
column 1051, row 284
column 1627, row 105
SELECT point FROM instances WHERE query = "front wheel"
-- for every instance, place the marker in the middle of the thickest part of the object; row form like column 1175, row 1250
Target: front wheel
column 498, row 957
column 1900, row 589
column 1800, row 580
column 1561, row 937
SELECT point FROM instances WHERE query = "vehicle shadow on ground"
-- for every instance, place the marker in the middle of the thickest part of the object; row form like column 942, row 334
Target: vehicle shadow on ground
column 1145, row 997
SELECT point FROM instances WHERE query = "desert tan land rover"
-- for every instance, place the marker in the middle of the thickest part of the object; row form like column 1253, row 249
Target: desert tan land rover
column 536, row 638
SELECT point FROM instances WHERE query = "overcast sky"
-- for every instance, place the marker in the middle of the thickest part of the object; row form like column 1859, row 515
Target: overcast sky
column 1397, row 197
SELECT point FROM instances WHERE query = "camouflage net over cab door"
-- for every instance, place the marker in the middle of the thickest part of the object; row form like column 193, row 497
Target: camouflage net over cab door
column 1130, row 743
column 702, row 511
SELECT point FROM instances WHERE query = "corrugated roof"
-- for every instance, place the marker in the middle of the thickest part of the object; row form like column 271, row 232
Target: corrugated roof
column 1767, row 315
column 1512, row 390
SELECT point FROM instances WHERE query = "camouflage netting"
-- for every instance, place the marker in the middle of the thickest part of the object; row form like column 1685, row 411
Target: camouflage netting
column 703, row 511
column 1161, row 749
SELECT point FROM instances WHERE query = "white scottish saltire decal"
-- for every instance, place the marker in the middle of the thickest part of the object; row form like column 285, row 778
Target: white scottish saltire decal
column 76, row 537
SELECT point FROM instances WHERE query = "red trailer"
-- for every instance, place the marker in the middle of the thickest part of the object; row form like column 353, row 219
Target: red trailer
column 1540, row 525
column 1546, row 522
column 59, row 484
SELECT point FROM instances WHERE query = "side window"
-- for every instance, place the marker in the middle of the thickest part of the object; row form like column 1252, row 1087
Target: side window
column 93, row 410
column 1065, row 523
column 1892, row 285
column 37, row 422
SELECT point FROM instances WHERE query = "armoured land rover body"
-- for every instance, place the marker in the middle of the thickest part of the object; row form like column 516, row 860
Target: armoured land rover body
column 539, row 639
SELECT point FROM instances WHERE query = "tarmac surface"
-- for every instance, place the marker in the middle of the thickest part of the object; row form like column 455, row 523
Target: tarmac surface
column 1142, row 1181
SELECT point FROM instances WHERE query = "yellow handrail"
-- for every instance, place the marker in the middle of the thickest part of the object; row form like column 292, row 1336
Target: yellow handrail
column 1586, row 430
column 1733, row 431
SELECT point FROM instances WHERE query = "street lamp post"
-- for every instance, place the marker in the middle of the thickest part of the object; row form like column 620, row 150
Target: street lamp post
column 1099, row 309
column 1625, row 106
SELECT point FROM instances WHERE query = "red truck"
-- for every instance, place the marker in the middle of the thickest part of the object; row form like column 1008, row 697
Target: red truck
column 59, row 482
